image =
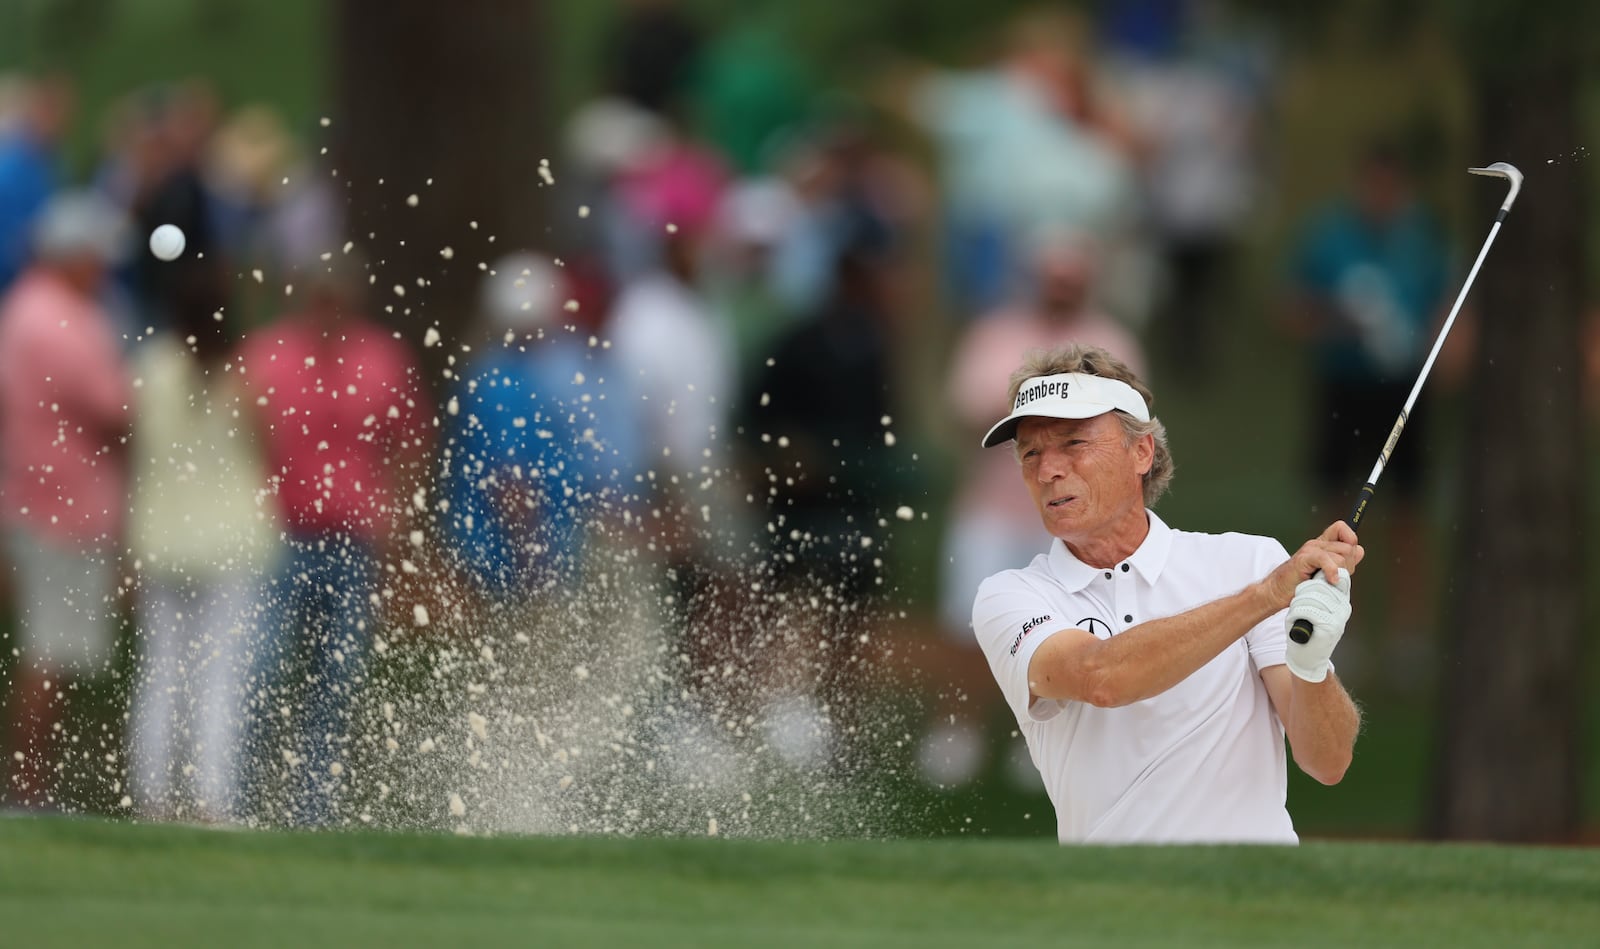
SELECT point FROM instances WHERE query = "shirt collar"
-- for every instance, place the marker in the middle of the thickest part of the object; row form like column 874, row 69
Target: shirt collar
column 1149, row 559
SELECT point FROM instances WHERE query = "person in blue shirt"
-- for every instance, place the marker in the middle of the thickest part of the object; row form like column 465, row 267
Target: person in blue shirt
column 29, row 168
column 1369, row 280
column 536, row 436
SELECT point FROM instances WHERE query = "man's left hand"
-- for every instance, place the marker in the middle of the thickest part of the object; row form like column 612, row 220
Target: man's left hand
column 1327, row 606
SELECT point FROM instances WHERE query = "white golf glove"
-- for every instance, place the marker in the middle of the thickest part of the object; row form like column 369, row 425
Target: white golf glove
column 1328, row 608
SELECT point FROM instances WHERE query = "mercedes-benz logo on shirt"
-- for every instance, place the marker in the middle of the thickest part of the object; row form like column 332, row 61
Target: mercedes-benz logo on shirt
column 1095, row 626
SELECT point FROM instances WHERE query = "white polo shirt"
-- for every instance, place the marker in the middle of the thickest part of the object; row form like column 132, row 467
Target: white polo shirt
column 1203, row 761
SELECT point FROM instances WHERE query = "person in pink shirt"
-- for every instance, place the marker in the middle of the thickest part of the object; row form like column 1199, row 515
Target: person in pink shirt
column 343, row 424
column 990, row 528
column 64, row 396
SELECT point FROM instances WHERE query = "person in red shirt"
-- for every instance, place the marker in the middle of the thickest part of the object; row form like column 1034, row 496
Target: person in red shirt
column 64, row 395
column 343, row 425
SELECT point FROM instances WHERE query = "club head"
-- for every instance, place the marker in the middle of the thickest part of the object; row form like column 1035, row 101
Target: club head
column 1506, row 170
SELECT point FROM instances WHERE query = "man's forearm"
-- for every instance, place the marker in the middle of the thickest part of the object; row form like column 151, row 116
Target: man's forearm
column 1152, row 657
column 1322, row 726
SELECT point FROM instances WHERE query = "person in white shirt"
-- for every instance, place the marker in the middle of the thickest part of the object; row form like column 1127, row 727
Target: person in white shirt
column 677, row 356
column 1150, row 668
column 202, row 527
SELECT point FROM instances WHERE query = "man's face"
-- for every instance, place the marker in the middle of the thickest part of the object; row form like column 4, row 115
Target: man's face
column 1083, row 474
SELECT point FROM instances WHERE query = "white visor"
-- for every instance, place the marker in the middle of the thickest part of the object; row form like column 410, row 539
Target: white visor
column 1068, row 395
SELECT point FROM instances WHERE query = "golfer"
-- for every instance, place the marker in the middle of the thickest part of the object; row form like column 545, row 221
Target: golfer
column 1150, row 668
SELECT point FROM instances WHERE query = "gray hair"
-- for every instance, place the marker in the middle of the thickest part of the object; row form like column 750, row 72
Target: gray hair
column 1093, row 361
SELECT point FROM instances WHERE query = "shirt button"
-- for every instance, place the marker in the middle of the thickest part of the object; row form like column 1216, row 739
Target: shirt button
column 1108, row 574
column 1127, row 619
column 1124, row 568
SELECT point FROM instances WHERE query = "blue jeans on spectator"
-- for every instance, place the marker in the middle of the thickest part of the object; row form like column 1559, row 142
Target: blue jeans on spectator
column 314, row 650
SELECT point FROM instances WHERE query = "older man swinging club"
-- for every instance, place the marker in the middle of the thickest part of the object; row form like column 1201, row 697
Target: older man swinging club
column 1150, row 668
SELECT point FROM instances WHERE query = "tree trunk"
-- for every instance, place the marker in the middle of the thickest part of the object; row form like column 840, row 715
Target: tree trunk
column 442, row 101
column 1510, row 756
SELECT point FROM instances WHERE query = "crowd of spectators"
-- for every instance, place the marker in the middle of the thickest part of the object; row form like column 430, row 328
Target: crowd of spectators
column 757, row 256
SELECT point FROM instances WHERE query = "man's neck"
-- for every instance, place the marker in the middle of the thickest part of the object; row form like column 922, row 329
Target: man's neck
column 1114, row 546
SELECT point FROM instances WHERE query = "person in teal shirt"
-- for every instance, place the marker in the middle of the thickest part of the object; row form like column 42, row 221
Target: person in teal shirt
column 1369, row 280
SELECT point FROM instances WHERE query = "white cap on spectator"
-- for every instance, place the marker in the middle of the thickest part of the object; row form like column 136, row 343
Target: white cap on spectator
column 522, row 292
column 74, row 223
column 758, row 211
column 607, row 136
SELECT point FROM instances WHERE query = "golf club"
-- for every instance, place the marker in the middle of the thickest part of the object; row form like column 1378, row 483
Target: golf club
column 1301, row 631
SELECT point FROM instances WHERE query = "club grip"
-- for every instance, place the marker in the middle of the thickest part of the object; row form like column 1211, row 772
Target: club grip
column 1358, row 511
column 1300, row 632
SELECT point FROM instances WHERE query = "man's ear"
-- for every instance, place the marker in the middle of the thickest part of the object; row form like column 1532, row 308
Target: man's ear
column 1145, row 451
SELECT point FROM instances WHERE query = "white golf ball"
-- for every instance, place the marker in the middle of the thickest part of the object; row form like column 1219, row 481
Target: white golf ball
column 166, row 242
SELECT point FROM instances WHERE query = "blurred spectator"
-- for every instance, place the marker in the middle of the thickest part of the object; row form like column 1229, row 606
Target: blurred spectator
column 804, row 264
column 63, row 421
column 1369, row 279
column 29, row 172
column 605, row 138
column 1151, row 29
column 815, row 415
column 127, row 147
column 756, row 218
column 1024, row 144
column 305, row 221
column 675, row 357
column 170, row 188
column 991, row 529
column 814, row 427
column 342, row 418
column 641, row 176
column 534, row 435
column 1195, row 84
column 841, row 174
column 749, row 91
column 245, row 164
column 674, row 187
column 202, row 528
column 676, row 354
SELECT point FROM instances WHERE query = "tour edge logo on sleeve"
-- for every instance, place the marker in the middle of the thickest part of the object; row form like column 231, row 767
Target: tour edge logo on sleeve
column 1027, row 628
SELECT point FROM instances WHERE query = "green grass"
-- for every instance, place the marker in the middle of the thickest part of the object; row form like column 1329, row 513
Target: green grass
column 97, row 883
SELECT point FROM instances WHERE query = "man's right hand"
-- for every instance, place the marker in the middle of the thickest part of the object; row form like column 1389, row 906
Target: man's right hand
column 1334, row 548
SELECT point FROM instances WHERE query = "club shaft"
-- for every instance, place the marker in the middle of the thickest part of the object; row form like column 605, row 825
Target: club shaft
column 1433, row 354
column 1301, row 630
